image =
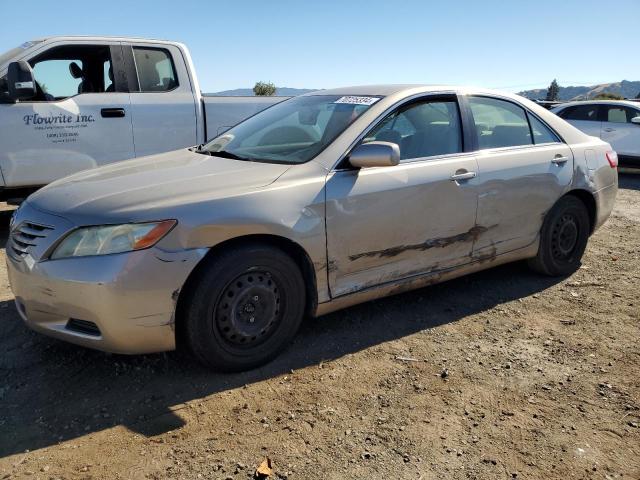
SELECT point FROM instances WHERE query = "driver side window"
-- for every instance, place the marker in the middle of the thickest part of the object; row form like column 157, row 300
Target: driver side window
column 55, row 80
column 69, row 70
column 425, row 129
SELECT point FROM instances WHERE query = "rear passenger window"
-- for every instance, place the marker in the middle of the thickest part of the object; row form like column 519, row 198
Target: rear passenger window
column 541, row 133
column 580, row 112
column 156, row 72
column 422, row 129
column 499, row 123
column 616, row 115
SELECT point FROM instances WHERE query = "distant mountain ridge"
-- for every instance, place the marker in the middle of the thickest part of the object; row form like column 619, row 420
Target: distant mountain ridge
column 248, row 92
column 625, row 88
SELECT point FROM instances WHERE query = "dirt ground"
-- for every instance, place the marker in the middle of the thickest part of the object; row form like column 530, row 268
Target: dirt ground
column 502, row 374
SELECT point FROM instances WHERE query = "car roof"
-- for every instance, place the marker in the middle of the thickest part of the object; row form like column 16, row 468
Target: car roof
column 628, row 103
column 408, row 89
column 378, row 90
column 113, row 38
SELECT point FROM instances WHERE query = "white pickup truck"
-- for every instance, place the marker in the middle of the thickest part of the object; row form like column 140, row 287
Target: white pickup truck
column 73, row 103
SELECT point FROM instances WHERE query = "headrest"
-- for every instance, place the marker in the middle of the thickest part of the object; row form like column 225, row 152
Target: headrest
column 111, row 73
column 76, row 71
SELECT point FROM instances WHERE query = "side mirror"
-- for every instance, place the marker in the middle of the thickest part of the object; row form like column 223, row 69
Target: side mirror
column 636, row 120
column 375, row 154
column 4, row 91
column 21, row 83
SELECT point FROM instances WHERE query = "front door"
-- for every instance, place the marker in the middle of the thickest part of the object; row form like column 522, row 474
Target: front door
column 78, row 120
column 389, row 223
column 524, row 168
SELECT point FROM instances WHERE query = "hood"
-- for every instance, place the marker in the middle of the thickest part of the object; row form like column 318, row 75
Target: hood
column 158, row 182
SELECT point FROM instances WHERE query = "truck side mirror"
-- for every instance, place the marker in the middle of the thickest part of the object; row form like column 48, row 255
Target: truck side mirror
column 4, row 91
column 22, row 85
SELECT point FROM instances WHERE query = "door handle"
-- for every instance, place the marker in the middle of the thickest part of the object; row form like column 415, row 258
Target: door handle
column 560, row 159
column 112, row 112
column 609, row 129
column 463, row 176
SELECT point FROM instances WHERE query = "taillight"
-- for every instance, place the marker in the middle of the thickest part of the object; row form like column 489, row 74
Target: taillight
column 612, row 158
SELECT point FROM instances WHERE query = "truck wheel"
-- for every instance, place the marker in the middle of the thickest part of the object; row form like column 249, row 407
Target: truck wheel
column 245, row 308
column 563, row 238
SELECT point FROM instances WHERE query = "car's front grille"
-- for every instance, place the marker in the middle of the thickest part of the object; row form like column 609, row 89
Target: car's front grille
column 26, row 236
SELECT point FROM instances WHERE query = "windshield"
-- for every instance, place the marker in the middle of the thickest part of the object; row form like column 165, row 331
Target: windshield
column 293, row 131
column 14, row 52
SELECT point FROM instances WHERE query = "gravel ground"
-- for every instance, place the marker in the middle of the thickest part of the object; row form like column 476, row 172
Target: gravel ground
column 501, row 374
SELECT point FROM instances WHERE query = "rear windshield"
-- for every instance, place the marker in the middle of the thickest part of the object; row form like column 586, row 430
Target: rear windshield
column 293, row 131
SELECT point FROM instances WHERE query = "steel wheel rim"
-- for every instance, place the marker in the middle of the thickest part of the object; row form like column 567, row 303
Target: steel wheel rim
column 248, row 310
column 565, row 237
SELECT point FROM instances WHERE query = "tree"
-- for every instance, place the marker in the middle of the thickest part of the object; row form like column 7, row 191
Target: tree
column 264, row 89
column 553, row 92
column 638, row 96
column 608, row 96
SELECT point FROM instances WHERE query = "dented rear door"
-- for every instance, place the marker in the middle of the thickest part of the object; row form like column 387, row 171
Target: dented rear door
column 524, row 168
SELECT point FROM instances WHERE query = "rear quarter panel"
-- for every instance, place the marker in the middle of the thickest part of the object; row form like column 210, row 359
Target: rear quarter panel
column 593, row 173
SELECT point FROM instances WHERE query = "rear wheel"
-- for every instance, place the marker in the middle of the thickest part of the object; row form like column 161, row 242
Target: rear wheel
column 246, row 306
column 563, row 238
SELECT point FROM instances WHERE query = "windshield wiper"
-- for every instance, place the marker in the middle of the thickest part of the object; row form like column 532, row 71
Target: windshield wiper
column 230, row 155
column 233, row 156
column 199, row 149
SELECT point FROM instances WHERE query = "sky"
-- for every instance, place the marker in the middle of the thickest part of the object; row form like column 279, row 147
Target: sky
column 510, row 45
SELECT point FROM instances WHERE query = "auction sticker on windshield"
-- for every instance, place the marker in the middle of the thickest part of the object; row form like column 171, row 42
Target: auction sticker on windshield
column 357, row 100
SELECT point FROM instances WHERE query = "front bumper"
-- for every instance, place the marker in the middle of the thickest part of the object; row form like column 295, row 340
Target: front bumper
column 130, row 297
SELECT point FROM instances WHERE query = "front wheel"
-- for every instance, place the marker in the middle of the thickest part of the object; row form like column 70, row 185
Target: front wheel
column 563, row 238
column 246, row 306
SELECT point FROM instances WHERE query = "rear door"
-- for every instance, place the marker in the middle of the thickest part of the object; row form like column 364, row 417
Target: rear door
column 163, row 104
column 618, row 130
column 524, row 167
column 75, row 122
column 389, row 223
column 584, row 117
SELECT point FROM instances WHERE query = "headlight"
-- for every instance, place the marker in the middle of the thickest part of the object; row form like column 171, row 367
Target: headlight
column 112, row 239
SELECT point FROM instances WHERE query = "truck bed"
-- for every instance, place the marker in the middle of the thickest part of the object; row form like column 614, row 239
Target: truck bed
column 223, row 113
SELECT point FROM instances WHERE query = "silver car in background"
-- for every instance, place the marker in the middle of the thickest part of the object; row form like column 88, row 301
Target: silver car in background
column 318, row 203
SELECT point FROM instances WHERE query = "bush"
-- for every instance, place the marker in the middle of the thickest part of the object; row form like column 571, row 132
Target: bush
column 264, row 89
column 608, row 96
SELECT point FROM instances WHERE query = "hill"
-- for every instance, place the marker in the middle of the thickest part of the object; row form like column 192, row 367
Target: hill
column 248, row 92
column 625, row 88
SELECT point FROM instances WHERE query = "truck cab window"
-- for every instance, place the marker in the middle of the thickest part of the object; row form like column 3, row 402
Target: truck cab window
column 156, row 72
column 108, row 76
column 55, row 79
column 63, row 72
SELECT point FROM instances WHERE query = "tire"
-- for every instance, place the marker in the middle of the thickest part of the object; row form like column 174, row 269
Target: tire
column 245, row 307
column 563, row 238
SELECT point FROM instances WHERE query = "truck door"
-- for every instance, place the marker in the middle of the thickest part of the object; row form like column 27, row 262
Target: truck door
column 163, row 102
column 79, row 119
